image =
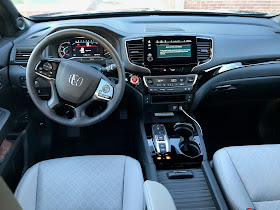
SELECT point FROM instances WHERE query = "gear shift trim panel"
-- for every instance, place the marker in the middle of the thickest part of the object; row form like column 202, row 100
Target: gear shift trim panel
column 160, row 138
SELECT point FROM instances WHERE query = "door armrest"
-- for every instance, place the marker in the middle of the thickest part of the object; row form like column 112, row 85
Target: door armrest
column 4, row 116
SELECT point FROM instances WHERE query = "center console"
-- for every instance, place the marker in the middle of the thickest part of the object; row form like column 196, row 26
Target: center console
column 171, row 85
column 173, row 137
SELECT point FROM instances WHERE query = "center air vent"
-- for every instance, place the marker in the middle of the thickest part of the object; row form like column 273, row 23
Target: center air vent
column 22, row 55
column 204, row 50
column 135, row 51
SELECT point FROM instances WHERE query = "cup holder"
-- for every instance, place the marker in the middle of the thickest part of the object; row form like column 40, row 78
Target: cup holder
column 193, row 149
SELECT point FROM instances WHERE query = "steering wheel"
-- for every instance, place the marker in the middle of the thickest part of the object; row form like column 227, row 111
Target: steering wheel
column 74, row 82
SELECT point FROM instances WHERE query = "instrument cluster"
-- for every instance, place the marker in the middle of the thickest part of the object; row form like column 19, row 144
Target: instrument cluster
column 82, row 49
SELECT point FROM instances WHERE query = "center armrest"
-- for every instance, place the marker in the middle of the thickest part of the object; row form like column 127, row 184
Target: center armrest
column 157, row 196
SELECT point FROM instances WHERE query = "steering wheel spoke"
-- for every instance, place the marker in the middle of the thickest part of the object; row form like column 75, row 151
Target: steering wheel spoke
column 54, row 100
column 80, row 110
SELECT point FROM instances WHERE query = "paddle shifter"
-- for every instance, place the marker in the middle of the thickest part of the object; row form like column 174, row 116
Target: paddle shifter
column 185, row 131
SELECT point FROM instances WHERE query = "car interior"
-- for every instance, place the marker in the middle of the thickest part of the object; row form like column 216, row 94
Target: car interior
column 157, row 110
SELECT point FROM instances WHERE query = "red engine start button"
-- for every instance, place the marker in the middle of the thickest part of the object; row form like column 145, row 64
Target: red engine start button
column 135, row 80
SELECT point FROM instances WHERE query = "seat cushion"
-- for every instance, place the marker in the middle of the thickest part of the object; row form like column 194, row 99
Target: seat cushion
column 86, row 182
column 249, row 176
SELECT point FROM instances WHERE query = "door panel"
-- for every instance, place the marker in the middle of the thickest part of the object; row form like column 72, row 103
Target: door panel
column 5, row 88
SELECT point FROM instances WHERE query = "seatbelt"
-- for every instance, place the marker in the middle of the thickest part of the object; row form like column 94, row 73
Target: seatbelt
column 7, row 198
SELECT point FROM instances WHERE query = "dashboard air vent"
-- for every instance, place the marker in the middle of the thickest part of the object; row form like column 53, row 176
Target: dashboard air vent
column 204, row 50
column 22, row 55
column 135, row 51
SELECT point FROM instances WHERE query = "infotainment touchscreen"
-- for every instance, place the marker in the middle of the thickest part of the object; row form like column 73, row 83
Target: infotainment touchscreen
column 173, row 51
column 170, row 50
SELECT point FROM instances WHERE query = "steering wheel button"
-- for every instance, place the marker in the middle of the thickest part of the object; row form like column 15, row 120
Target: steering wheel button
column 106, row 88
column 103, row 95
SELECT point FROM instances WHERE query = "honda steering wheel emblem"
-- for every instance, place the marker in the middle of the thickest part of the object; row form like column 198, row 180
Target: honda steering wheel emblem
column 76, row 80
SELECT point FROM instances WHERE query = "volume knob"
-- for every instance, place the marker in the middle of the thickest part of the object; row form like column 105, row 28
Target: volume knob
column 150, row 57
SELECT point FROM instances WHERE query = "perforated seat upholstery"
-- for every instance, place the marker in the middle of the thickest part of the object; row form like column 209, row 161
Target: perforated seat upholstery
column 86, row 182
column 249, row 176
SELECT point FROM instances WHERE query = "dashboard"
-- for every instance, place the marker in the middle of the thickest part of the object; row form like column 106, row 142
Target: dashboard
column 219, row 40
column 163, row 54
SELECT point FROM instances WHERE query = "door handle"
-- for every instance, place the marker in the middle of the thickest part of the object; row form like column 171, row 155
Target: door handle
column 224, row 87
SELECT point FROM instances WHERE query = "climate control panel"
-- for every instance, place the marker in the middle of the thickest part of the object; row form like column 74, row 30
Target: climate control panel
column 170, row 84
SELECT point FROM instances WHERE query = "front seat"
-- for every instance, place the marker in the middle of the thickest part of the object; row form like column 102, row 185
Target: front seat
column 249, row 176
column 85, row 182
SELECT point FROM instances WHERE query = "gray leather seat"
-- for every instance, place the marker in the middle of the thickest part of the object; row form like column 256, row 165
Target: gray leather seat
column 86, row 182
column 249, row 176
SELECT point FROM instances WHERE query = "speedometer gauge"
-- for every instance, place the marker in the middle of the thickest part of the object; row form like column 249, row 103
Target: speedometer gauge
column 64, row 50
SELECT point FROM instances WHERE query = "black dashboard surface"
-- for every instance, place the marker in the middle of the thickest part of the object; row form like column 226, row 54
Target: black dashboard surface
column 234, row 38
column 236, row 43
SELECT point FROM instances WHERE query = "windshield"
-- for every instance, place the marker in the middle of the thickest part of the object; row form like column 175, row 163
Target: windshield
column 50, row 8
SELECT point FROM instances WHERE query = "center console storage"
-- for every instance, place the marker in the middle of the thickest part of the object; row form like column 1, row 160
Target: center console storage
column 188, row 193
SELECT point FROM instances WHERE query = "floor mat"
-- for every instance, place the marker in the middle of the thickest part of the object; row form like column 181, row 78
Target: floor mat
column 191, row 194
